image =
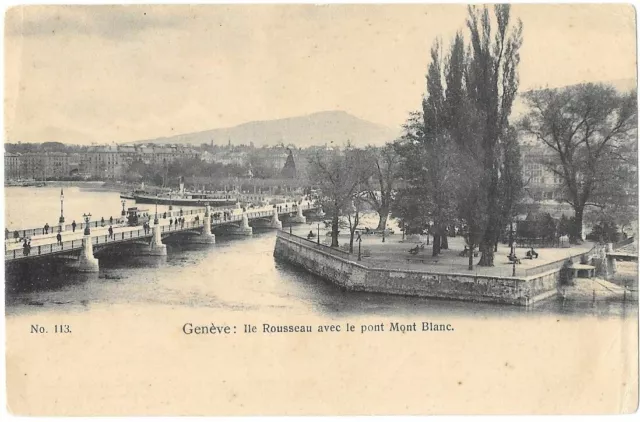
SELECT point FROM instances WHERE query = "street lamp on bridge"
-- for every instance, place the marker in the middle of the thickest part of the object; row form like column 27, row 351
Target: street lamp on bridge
column 155, row 219
column 87, row 222
column 61, row 220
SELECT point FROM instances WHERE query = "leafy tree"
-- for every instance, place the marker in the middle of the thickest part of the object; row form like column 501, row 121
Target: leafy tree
column 385, row 173
column 352, row 210
column 589, row 128
column 491, row 84
column 510, row 183
column 339, row 175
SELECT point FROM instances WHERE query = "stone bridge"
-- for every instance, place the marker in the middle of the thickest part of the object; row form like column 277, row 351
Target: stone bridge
column 196, row 225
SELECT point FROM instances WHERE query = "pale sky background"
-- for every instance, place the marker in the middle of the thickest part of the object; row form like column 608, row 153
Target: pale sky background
column 83, row 74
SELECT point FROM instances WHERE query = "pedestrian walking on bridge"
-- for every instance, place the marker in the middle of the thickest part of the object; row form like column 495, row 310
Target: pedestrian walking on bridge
column 111, row 220
column 111, row 232
column 59, row 238
column 73, row 225
column 46, row 228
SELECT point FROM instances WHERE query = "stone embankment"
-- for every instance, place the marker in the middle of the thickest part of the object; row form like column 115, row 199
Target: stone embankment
column 344, row 270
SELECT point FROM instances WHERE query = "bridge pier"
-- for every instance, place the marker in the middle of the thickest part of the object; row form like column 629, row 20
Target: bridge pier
column 244, row 229
column 155, row 247
column 206, row 237
column 275, row 221
column 87, row 263
column 299, row 217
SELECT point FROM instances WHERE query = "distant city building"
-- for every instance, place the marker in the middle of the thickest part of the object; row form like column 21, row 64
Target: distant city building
column 102, row 161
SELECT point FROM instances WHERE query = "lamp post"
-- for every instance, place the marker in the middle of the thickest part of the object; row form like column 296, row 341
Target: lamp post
column 512, row 240
column 318, row 233
column 123, row 213
column 359, row 247
column 87, row 221
column 155, row 219
column 61, row 220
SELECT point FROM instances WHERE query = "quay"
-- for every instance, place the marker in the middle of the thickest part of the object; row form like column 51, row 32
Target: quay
column 383, row 270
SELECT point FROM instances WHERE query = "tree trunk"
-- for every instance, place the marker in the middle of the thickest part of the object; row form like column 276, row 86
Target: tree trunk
column 351, row 240
column 444, row 244
column 383, row 214
column 334, row 229
column 486, row 260
column 436, row 244
column 352, row 230
column 577, row 229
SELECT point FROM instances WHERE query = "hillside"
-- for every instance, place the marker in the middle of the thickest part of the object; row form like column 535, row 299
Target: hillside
column 303, row 131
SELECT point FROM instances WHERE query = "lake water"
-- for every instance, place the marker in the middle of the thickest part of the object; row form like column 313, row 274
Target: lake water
column 236, row 274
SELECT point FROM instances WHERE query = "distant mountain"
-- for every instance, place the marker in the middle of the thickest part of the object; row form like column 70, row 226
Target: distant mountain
column 302, row 131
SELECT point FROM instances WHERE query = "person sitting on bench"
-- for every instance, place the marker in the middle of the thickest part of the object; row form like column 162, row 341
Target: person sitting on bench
column 414, row 251
column 532, row 254
column 513, row 259
column 311, row 235
column 465, row 252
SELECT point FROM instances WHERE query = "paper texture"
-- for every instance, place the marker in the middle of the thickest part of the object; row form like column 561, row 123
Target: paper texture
column 128, row 339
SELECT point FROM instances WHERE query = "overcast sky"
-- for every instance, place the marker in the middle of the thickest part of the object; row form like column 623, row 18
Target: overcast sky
column 83, row 74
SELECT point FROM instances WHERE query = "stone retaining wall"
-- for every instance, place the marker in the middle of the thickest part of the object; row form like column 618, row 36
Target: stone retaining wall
column 357, row 276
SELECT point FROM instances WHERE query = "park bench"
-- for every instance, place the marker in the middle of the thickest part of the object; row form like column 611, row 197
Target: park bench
column 466, row 252
column 513, row 259
column 419, row 247
column 416, row 259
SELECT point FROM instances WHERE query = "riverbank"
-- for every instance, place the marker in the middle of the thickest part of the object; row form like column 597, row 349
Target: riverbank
column 382, row 273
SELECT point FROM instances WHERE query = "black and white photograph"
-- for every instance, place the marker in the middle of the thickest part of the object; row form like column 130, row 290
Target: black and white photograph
column 321, row 209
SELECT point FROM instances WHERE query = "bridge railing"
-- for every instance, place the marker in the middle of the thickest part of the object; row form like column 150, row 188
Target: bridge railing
column 180, row 227
column 43, row 250
column 75, row 244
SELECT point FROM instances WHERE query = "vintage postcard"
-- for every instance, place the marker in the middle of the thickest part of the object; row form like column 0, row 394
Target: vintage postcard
column 297, row 209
